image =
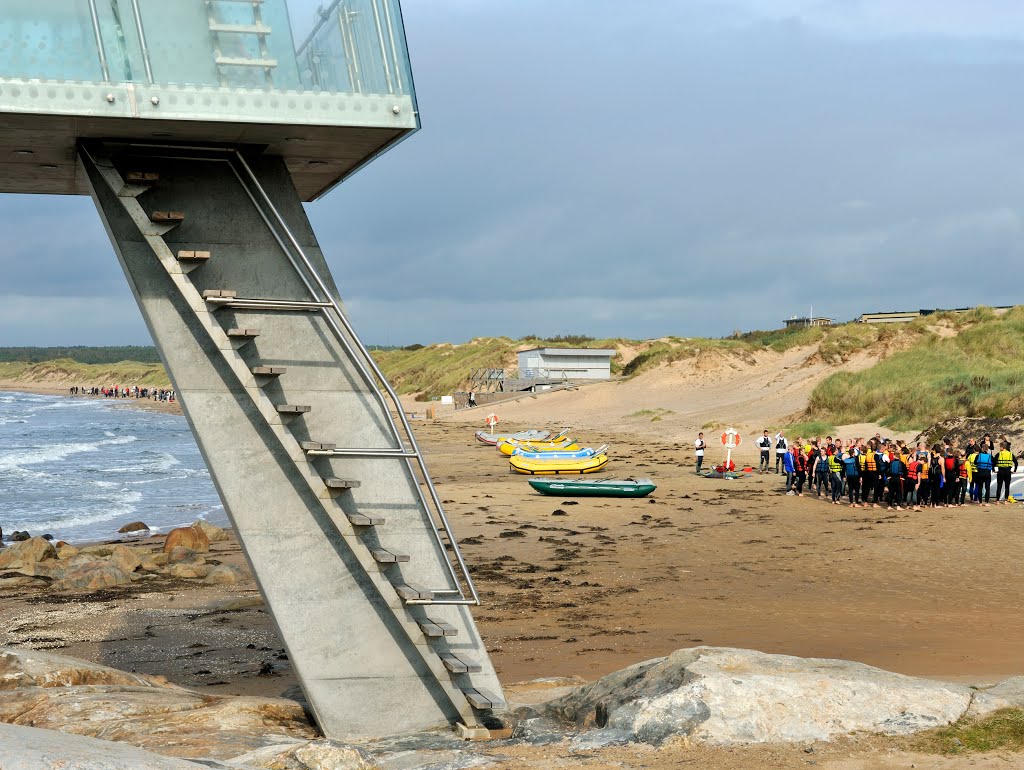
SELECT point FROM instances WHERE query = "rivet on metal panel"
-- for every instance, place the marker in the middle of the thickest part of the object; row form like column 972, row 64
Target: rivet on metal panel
column 396, row 109
column 155, row 101
column 110, row 98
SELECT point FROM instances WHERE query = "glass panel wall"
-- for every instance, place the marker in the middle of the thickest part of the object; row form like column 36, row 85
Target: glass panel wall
column 347, row 46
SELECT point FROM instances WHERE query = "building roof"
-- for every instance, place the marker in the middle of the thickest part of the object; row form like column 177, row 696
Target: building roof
column 590, row 352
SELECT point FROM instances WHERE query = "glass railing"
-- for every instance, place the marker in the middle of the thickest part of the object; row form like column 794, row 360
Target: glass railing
column 230, row 57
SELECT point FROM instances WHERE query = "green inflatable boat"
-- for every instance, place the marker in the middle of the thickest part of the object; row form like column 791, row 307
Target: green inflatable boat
column 594, row 487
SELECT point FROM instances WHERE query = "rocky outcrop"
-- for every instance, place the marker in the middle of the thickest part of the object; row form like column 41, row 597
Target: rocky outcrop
column 213, row 534
column 25, row 552
column 125, row 558
column 1006, row 695
column 59, row 693
column 726, row 696
column 316, row 755
column 28, row 748
column 187, row 537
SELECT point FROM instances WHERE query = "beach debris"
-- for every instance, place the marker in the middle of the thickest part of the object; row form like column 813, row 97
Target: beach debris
column 25, row 552
column 213, row 533
column 135, row 526
column 189, row 537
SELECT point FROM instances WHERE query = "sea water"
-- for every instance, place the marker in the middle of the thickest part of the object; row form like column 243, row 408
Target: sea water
column 80, row 468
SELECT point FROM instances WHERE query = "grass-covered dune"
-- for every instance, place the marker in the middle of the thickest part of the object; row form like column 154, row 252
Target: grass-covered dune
column 67, row 372
column 976, row 369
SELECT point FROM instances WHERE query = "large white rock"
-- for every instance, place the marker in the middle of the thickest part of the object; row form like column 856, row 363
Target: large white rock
column 727, row 696
column 29, row 748
column 1007, row 694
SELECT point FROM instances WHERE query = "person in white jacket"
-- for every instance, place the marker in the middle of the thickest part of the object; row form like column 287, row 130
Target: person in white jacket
column 781, row 449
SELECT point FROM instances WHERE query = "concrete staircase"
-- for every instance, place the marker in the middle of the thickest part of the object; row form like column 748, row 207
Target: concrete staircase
column 306, row 442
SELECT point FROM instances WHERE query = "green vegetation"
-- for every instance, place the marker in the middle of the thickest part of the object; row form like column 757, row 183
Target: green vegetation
column 1002, row 729
column 656, row 415
column 811, row 429
column 979, row 372
column 68, row 371
column 82, row 355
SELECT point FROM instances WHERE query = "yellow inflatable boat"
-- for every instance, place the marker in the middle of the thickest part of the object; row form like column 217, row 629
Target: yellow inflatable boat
column 573, row 467
column 507, row 447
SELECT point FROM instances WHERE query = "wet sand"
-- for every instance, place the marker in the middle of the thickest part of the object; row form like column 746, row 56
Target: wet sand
column 590, row 586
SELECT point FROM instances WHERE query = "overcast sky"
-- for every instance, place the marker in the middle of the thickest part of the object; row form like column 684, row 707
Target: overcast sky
column 640, row 169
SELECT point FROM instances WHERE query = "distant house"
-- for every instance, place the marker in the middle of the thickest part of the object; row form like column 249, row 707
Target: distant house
column 906, row 316
column 815, row 321
column 566, row 363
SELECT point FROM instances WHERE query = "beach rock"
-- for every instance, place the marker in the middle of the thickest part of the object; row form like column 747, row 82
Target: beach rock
column 225, row 575
column 188, row 537
column 92, row 576
column 47, row 537
column 28, row 748
column 50, row 569
column 189, row 571
column 148, row 564
column 65, row 550
column 726, row 697
column 125, row 558
column 98, row 551
column 135, row 526
column 1007, row 694
column 160, row 559
column 182, row 554
column 315, row 755
column 21, row 668
column 17, row 537
column 213, row 533
column 25, row 552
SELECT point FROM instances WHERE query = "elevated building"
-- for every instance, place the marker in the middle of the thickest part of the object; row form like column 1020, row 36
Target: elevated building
column 796, row 322
column 566, row 363
column 199, row 128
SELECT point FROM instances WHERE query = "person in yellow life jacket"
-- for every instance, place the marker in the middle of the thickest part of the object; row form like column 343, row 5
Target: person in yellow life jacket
column 924, row 484
column 835, row 473
column 972, row 474
column 1006, row 466
column 965, row 480
column 869, row 474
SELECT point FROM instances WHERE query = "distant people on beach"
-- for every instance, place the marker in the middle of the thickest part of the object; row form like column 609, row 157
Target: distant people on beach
column 121, row 391
column 878, row 471
column 699, row 447
column 765, row 445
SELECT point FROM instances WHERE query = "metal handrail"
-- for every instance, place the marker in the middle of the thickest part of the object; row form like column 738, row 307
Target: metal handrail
column 341, row 337
column 142, row 40
column 100, row 47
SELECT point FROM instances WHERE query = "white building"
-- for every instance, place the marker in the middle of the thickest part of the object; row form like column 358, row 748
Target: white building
column 566, row 363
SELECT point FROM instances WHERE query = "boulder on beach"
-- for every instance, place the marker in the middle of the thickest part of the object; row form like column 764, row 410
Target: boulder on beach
column 21, row 668
column 727, row 697
column 92, row 576
column 135, row 526
column 225, row 575
column 189, row 571
column 189, row 537
column 24, row 552
column 1006, row 695
column 125, row 558
column 180, row 553
column 213, row 533
column 17, row 537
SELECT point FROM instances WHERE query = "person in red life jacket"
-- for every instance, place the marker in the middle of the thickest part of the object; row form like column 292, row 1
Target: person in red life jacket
column 910, row 485
column 965, row 479
column 951, row 467
column 800, row 466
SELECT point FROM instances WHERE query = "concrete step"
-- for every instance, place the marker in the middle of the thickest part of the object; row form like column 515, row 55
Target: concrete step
column 167, row 217
column 293, row 409
column 482, row 699
column 458, row 663
column 188, row 255
column 243, row 333
column 316, row 446
column 384, row 556
column 268, row 371
column 340, row 485
column 142, row 177
column 436, row 629
column 413, row 593
column 219, row 294
column 362, row 520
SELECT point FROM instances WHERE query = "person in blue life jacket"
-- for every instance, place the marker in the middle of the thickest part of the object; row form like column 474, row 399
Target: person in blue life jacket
column 983, row 463
column 789, row 468
column 896, row 474
column 851, row 472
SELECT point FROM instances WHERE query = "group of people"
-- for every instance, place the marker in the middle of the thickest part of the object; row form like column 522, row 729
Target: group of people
column 121, row 391
column 880, row 471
